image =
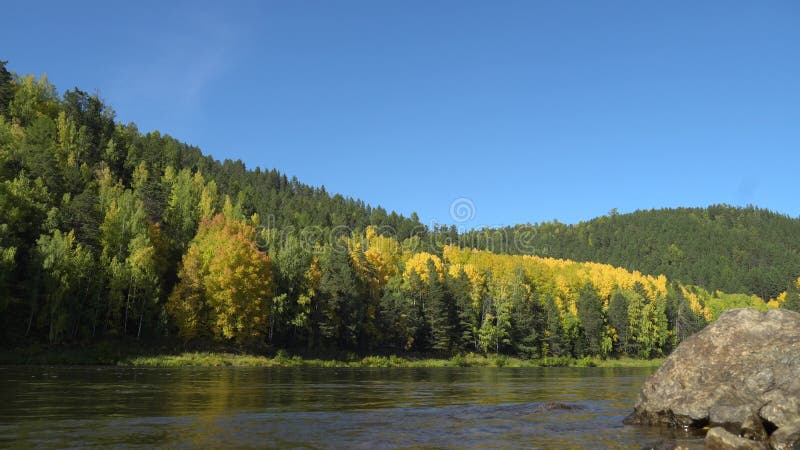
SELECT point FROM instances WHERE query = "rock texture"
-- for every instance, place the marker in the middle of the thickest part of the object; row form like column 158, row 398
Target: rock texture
column 786, row 437
column 753, row 428
column 742, row 368
column 721, row 439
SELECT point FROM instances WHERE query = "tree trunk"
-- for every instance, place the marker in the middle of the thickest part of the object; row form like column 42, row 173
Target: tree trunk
column 30, row 322
column 141, row 318
column 125, row 319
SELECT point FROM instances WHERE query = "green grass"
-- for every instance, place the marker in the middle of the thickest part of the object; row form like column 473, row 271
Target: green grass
column 630, row 362
column 199, row 360
column 132, row 354
column 469, row 360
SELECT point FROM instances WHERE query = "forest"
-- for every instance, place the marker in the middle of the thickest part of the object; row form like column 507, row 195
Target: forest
column 720, row 247
column 109, row 233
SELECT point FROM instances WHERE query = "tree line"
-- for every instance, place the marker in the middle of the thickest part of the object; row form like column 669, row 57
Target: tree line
column 86, row 203
column 721, row 247
column 106, row 232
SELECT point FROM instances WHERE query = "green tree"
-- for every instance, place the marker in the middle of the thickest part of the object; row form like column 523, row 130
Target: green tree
column 494, row 334
column 415, row 290
column 683, row 322
column 467, row 318
column 6, row 88
column 71, row 152
column 341, row 310
column 440, row 313
column 618, row 320
column 296, row 280
column 134, row 263
column 7, row 266
column 182, row 213
column 792, row 301
column 69, row 270
column 555, row 336
column 529, row 323
column 23, row 215
column 636, row 318
column 94, row 119
column 397, row 314
column 590, row 314
column 33, row 98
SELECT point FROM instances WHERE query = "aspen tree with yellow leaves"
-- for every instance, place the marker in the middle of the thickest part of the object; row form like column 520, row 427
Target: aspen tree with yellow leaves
column 225, row 286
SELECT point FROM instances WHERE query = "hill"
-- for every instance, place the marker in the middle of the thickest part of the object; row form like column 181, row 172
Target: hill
column 721, row 247
column 107, row 233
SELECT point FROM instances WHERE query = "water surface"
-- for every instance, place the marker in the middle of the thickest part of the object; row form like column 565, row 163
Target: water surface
column 324, row 408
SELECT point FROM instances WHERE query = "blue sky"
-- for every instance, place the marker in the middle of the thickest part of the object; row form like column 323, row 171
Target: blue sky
column 531, row 110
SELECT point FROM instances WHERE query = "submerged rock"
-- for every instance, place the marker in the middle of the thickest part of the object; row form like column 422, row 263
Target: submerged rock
column 550, row 406
column 743, row 368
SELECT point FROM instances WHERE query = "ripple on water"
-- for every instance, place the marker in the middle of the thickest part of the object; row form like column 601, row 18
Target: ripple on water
column 324, row 408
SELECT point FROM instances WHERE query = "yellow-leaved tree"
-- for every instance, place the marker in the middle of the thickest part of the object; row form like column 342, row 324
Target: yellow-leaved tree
column 225, row 286
column 418, row 262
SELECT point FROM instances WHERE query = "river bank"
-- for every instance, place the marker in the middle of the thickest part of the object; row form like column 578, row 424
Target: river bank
column 109, row 355
column 469, row 360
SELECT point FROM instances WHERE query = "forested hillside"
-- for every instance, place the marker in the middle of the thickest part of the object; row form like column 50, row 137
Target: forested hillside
column 108, row 233
column 74, row 180
column 721, row 247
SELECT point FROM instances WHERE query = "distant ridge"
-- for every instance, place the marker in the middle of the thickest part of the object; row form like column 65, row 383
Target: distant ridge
column 721, row 247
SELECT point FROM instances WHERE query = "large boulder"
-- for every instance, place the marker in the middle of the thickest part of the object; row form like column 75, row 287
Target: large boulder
column 746, row 363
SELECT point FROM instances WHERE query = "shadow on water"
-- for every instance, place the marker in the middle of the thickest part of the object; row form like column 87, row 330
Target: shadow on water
column 319, row 408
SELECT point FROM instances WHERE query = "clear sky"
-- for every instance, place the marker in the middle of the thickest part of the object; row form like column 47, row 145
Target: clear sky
column 531, row 110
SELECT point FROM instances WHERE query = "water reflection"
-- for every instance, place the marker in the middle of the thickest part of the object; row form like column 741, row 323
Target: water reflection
column 320, row 408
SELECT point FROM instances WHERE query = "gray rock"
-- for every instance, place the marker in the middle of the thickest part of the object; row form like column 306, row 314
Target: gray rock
column 721, row 439
column 746, row 361
column 753, row 428
column 786, row 437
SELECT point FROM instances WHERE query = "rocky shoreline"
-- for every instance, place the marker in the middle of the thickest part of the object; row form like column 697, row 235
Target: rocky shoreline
column 740, row 377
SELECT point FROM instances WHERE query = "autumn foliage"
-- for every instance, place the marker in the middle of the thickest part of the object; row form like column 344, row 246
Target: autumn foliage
column 110, row 233
column 225, row 286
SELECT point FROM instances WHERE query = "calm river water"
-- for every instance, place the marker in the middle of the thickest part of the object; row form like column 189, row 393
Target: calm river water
column 108, row 407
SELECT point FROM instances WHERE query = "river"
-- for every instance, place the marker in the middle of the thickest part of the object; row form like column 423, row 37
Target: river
column 118, row 407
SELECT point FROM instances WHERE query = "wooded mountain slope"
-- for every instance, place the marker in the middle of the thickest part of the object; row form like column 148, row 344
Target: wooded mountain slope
column 721, row 247
column 106, row 232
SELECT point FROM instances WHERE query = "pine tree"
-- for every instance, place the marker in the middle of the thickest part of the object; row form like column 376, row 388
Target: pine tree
column 440, row 312
column 467, row 319
column 554, row 335
column 618, row 321
column 590, row 314
column 792, row 301
column 6, row 88
column 341, row 309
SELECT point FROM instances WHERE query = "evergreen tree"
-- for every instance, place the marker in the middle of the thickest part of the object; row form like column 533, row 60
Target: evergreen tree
column 529, row 323
column 590, row 314
column 6, row 88
column 398, row 316
column 792, row 301
column 618, row 320
column 466, row 320
column 341, row 309
column 555, row 344
column 440, row 312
